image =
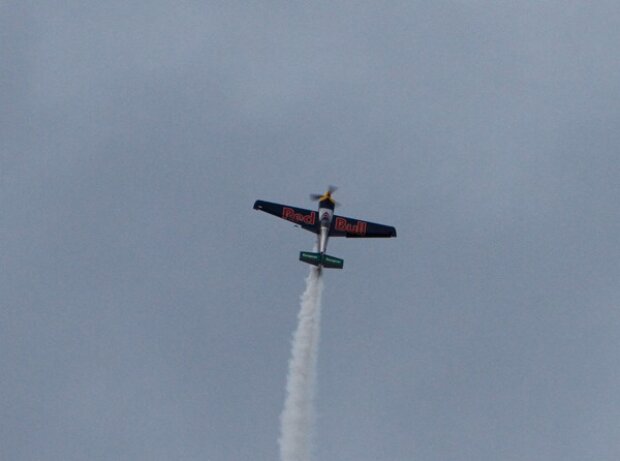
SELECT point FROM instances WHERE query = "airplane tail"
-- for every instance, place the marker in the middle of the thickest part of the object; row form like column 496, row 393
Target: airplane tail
column 318, row 259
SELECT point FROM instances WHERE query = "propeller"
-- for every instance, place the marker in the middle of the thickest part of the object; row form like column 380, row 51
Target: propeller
column 330, row 191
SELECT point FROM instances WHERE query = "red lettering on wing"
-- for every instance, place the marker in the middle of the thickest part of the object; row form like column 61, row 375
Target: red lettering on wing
column 290, row 215
column 342, row 225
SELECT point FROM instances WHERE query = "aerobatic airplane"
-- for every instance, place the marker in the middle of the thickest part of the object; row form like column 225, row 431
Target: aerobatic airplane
column 325, row 224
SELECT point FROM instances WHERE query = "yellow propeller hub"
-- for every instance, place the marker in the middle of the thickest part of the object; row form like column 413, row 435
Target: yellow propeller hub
column 327, row 196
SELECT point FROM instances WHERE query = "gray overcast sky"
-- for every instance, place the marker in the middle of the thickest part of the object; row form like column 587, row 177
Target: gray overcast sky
column 147, row 310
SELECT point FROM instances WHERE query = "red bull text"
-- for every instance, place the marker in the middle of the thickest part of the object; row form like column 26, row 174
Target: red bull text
column 342, row 225
column 291, row 215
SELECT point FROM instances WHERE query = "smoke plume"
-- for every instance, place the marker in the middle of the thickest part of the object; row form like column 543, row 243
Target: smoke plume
column 298, row 417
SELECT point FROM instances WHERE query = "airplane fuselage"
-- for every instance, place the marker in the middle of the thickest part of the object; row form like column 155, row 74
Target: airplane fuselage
column 326, row 214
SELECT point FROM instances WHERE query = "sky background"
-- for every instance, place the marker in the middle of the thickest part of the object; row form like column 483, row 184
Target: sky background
column 146, row 311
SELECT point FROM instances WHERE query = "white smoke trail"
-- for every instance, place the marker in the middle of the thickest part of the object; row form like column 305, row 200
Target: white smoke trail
column 298, row 416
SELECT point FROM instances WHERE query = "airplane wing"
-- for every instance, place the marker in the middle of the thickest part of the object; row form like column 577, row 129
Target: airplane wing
column 351, row 227
column 307, row 219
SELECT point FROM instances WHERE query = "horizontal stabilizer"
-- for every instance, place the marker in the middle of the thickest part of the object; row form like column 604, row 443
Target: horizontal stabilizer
column 318, row 259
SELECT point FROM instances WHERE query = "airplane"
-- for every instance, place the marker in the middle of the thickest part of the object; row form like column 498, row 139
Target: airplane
column 325, row 224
